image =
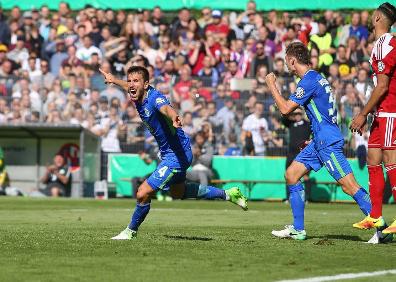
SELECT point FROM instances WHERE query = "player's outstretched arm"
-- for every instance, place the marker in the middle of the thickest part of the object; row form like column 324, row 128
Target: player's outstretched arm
column 170, row 113
column 110, row 78
column 284, row 106
column 380, row 90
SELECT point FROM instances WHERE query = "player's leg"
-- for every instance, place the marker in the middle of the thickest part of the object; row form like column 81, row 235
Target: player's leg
column 143, row 197
column 339, row 168
column 193, row 190
column 390, row 166
column 305, row 161
column 159, row 179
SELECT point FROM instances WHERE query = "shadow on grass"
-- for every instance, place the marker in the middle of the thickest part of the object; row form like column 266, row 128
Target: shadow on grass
column 337, row 237
column 188, row 238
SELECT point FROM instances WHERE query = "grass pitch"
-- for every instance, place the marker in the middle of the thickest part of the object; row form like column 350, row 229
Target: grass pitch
column 68, row 240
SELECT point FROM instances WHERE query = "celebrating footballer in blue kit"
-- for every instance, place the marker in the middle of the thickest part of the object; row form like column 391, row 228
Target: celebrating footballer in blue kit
column 314, row 93
column 165, row 125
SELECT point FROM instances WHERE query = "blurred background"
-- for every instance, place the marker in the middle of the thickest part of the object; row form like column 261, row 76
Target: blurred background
column 63, row 132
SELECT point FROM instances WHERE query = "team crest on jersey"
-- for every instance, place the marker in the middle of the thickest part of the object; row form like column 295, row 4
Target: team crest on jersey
column 381, row 66
column 159, row 101
column 299, row 92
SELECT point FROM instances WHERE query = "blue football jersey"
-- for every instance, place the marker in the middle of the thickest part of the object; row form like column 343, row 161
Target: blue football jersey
column 314, row 93
column 172, row 142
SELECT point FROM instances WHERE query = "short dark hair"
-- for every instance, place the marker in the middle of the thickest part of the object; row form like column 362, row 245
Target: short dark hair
column 389, row 11
column 141, row 70
column 299, row 51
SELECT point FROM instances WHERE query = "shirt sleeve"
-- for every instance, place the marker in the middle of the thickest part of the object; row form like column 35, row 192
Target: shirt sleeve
column 388, row 64
column 159, row 101
column 304, row 92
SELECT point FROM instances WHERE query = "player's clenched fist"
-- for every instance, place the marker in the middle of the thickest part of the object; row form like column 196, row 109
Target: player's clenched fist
column 270, row 79
column 177, row 122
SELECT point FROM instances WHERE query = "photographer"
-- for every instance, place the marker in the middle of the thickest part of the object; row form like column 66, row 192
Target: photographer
column 57, row 177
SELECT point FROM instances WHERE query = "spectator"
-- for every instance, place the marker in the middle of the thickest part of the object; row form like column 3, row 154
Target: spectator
column 202, row 160
column 260, row 59
column 299, row 135
column 258, row 127
column 323, row 42
column 216, row 27
column 232, row 149
column 85, row 52
column 57, row 177
column 346, row 68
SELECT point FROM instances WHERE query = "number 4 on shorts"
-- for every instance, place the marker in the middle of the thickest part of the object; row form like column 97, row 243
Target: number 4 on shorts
column 162, row 171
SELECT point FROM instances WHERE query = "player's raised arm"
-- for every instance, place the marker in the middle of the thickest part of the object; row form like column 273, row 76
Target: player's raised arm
column 110, row 78
column 285, row 106
column 170, row 113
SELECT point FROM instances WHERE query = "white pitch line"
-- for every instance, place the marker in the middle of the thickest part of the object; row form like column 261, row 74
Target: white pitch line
column 342, row 276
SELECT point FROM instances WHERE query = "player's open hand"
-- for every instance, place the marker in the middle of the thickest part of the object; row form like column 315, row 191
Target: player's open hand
column 177, row 122
column 109, row 78
column 357, row 123
column 270, row 79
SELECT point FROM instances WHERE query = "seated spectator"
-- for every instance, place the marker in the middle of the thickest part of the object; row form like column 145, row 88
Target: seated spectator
column 57, row 177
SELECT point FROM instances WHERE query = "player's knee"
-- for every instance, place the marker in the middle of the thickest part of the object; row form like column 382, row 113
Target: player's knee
column 290, row 177
column 142, row 196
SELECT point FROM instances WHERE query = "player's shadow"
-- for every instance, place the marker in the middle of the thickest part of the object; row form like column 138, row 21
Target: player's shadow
column 188, row 238
column 337, row 237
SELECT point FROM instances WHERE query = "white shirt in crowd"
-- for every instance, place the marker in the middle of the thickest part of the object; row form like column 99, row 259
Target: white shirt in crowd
column 84, row 54
column 255, row 125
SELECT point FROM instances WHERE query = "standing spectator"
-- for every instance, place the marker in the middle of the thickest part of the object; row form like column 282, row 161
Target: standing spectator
column 356, row 29
column 299, row 133
column 323, row 42
column 58, row 58
column 258, row 127
column 225, row 116
column 202, row 160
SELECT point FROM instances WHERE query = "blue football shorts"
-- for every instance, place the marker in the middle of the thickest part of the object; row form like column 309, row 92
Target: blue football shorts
column 332, row 157
column 169, row 172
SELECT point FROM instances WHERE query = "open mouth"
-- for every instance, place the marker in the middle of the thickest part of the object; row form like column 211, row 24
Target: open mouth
column 132, row 93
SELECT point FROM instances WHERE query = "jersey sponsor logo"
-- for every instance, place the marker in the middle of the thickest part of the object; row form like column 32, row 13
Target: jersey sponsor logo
column 381, row 66
column 299, row 92
column 159, row 101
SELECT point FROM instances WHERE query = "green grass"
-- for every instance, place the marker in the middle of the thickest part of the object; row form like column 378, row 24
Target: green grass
column 68, row 240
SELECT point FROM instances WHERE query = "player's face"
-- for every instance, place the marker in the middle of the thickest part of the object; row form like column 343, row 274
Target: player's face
column 136, row 86
column 290, row 61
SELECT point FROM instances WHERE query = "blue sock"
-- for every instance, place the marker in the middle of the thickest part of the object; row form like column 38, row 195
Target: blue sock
column 297, row 203
column 198, row 191
column 139, row 215
column 363, row 200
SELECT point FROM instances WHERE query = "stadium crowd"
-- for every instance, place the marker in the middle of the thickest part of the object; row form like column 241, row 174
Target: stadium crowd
column 211, row 64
